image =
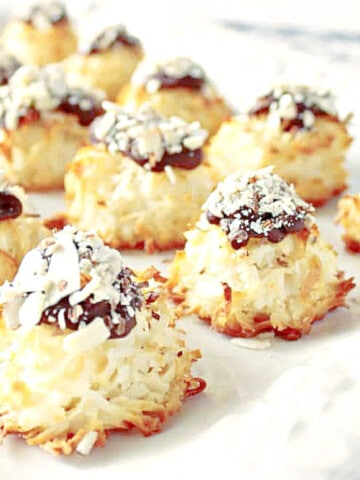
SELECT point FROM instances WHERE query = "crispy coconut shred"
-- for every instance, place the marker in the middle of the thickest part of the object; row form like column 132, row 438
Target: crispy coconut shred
column 94, row 347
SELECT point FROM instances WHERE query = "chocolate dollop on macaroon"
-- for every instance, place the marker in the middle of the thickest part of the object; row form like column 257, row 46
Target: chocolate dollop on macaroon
column 44, row 15
column 152, row 141
column 180, row 72
column 110, row 37
column 295, row 108
column 257, row 205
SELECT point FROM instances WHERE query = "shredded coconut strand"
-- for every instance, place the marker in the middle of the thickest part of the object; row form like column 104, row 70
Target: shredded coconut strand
column 87, row 443
column 144, row 134
column 170, row 174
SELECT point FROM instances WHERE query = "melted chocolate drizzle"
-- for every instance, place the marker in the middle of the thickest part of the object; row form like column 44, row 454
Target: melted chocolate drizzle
column 168, row 82
column 103, row 309
column 10, row 206
column 263, row 105
column 120, row 39
column 186, row 159
column 72, row 103
column 246, row 218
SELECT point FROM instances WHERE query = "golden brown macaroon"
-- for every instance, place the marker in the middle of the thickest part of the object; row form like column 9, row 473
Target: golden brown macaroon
column 296, row 130
column 88, row 348
column 143, row 179
column 20, row 229
column 41, row 35
column 349, row 218
column 256, row 262
column 177, row 87
column 106, row 62
column 43, row 122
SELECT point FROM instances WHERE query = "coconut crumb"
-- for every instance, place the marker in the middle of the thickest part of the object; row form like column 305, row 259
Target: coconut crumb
column 170, row 174
column 258, row 343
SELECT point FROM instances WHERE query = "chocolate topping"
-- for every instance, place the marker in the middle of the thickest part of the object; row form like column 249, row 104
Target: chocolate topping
column 87, row 310
column 10, row 206
column 257, row 205
column 180, row 72
column 25, row 115
column 294, row 108
column 109, row 38
column 33, row 90
column 72, row 280
column 45, row 15
column 150, row 140
column 8, row 65
column 186, row 159
column 82, row 104
column 160, row 81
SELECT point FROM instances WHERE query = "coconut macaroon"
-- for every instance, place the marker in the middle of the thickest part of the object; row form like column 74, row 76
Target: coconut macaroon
column 177, row 87
column 40, row 35
column 43, row 121
column 295, row 129
column 349, row 218
column 87, row 348
column 256, row 262
column 106, row 61
column 143, row 179
column 20, row 228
